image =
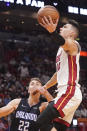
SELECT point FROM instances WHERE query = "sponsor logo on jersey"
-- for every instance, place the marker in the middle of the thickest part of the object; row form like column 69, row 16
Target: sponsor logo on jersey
column 26, row 115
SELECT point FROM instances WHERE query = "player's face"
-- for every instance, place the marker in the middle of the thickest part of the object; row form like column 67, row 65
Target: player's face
column 66, row 30
column 33, row 87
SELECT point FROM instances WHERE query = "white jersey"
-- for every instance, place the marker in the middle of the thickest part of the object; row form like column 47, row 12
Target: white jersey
column 69, row 95
column 67, row 67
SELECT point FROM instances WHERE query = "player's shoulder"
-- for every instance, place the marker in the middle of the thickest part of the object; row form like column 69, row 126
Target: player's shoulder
column 78, row 45
column 15, row 101
column 71, row 41
column 72, row 47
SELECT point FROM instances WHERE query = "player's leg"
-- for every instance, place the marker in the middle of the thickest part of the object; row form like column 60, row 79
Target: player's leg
column 60, row 127
column 68, row 110
column 47, row 128
column 46, row 117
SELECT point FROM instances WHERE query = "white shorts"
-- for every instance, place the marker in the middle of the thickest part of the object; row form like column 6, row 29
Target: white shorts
column 67, row 101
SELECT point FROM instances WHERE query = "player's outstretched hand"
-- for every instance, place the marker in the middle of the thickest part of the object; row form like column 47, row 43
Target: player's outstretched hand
column 48, row 24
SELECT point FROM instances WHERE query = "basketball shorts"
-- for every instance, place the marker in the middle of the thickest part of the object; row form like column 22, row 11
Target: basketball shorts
column 67, row 101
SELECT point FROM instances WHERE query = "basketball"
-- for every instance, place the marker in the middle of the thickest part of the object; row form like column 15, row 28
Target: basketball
column 48, row 10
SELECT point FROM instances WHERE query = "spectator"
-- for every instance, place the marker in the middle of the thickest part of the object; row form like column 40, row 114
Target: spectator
column 23, row 69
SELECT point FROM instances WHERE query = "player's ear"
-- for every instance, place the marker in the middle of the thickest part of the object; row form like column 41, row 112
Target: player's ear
column 72, row 33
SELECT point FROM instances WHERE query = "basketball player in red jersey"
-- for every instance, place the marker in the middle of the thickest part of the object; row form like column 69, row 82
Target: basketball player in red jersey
column 61, row 110
column 26, row 111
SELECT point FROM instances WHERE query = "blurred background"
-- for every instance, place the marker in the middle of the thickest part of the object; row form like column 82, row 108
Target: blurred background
column 27, row 51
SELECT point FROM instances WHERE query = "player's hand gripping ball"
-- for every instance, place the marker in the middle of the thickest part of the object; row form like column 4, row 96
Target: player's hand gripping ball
column 47, row 11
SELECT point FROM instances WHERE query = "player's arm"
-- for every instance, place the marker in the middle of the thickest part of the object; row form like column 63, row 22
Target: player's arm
column 52, row 81
column 43, row 90
column 45, row 93
column 9, row 108
column 51, row 28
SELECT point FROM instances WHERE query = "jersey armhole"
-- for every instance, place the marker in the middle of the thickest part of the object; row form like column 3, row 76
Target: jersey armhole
column 78, row 46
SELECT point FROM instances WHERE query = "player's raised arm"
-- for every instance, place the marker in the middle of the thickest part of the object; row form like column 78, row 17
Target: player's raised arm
column 9, row 108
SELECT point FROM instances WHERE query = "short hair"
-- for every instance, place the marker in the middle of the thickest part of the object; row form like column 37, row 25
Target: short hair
column 75, row 24
column 36, row 79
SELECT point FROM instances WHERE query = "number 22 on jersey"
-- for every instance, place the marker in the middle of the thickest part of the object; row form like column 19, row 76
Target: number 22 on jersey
column 23, row 126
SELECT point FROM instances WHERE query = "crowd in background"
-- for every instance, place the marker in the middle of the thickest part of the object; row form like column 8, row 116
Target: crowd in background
column 19, row 62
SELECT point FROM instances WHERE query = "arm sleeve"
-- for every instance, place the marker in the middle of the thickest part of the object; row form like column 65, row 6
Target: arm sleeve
column 57, row 38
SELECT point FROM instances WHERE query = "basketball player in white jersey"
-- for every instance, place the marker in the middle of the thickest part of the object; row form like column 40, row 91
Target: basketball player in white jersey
column 62, row 108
